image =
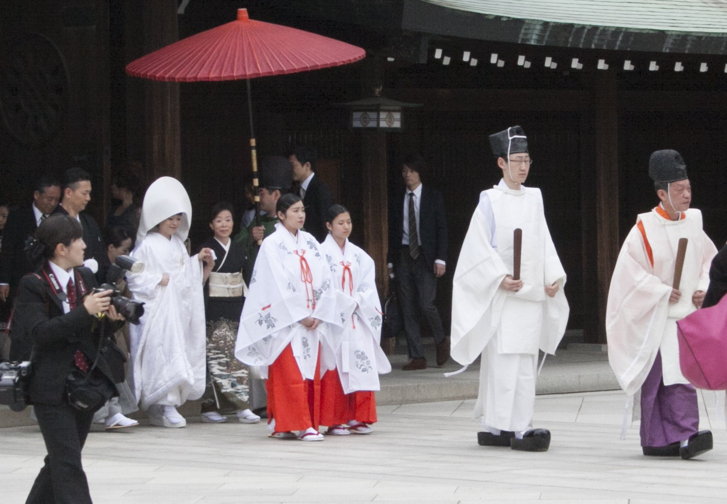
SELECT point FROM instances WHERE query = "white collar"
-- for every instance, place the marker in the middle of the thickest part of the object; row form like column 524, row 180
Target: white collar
column 515, row 192
column 226, row 247
column 417, row 191
column 306, row 182
column 61, row 275
column 38, row 214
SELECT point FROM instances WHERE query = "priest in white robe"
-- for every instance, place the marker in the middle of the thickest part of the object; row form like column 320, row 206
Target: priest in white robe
column 168, row 346
column 644, row 305
column 508, row 320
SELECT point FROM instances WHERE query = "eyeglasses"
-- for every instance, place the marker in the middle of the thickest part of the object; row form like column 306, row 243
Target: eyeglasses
column 526, row 162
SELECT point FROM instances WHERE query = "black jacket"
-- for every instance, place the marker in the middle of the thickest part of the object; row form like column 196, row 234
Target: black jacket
column 91, row 236
column 55, row 336
column 13, row 261
column 317, row 201
column 432, row 226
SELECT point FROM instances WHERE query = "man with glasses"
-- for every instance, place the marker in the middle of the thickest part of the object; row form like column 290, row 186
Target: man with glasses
column 644, row 306
column 506, row 315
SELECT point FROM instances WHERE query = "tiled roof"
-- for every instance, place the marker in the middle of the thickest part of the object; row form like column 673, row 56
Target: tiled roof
column 695, row 16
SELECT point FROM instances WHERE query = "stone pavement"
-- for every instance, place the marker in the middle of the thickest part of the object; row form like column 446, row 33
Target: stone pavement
column 419, row 453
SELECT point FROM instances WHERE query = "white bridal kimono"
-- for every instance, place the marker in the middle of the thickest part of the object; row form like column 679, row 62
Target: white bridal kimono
column 507, row 328
column 354, row 348
column 168, row 346
column 291, row 281
column 640, row 322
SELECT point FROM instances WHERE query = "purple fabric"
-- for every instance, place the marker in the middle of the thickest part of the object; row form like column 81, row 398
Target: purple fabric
column 668, row 413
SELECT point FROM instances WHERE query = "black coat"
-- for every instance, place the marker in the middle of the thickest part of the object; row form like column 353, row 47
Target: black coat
column 95, row 248
column 55, row 336
column 317, row 201
column 432, row 226
column 13, row 261
column 717, row 279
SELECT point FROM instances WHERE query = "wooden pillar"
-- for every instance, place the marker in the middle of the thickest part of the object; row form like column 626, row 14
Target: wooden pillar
column 375, row 205
column 163, row 147
column 607, row 188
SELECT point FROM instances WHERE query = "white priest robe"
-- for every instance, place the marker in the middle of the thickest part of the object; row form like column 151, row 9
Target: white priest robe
column 291, row 281
column 355, row 347
column 640, row 322
column 486, row 318
column 168, row 346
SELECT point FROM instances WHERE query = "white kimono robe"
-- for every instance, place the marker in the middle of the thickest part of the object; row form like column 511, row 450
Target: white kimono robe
column 355, row 348
column 483, row 314
column 168, row 346
column 640, row 322
column 279, row 299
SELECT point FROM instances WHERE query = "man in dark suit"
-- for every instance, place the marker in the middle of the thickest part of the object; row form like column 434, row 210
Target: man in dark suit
column 76, row 195
column 417, row 255
column 21, row 224
column 315, row 193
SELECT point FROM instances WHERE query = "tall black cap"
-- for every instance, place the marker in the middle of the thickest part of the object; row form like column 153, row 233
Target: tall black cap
column 514, row 137
column 276, row 172
column 667, row 165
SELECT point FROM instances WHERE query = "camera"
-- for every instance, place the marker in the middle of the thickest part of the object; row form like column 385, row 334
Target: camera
column 130, row 309
column 14, row 378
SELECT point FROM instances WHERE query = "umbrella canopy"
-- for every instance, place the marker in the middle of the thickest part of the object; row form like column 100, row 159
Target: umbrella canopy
column 243, row 49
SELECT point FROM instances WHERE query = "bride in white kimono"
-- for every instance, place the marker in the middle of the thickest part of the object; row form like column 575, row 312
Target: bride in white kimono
column 353, row 358
column 168, row 345
column 290, row 305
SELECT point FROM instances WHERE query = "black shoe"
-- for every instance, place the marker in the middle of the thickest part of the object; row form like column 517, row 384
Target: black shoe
column 670, row 450
column 490, row 439
column 534, row 440
column 443, row 351
column 414, row 364
column 698, row 443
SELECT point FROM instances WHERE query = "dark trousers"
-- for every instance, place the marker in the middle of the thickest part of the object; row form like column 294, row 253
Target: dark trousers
column 668, row 413
column 62, row 480
column 417, row 290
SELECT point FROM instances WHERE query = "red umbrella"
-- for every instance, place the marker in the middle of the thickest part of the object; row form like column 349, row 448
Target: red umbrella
column 243, row 49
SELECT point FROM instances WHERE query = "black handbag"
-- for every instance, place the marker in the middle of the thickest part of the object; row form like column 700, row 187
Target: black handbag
column 88, row 391
column 14, row 384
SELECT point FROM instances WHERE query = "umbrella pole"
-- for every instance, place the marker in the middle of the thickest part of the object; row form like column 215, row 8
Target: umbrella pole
column 253, row 157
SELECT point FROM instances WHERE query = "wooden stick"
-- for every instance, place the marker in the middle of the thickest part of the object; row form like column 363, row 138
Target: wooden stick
column 517, row 244
column 681, row 252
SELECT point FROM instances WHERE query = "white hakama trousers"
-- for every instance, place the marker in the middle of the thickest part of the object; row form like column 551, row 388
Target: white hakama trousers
column 506, row 399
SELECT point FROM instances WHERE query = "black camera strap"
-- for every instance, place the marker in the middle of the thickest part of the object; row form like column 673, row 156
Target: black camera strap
column 81, row 291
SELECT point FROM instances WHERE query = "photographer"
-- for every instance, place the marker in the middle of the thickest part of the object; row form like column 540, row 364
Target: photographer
column 58, row 313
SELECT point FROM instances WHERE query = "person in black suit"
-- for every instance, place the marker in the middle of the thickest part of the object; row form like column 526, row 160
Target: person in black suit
column 22, row 223
column 417, row 256
column 76, row 195
column 57, row 311
column 315, row 193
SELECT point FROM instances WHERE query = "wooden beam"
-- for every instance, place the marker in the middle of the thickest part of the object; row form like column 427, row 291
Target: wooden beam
column 607, row 184
column 163, row 147
column 375, row 205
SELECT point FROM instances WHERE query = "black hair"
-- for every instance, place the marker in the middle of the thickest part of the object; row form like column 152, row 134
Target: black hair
column 126, row 180
column 58, row 228
column 415, row 162
column 45, row 182
column 73, row 176
column 220, row 207
column 304, row 154
column 116, row 235
column 334, row 211
column 286, row 201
